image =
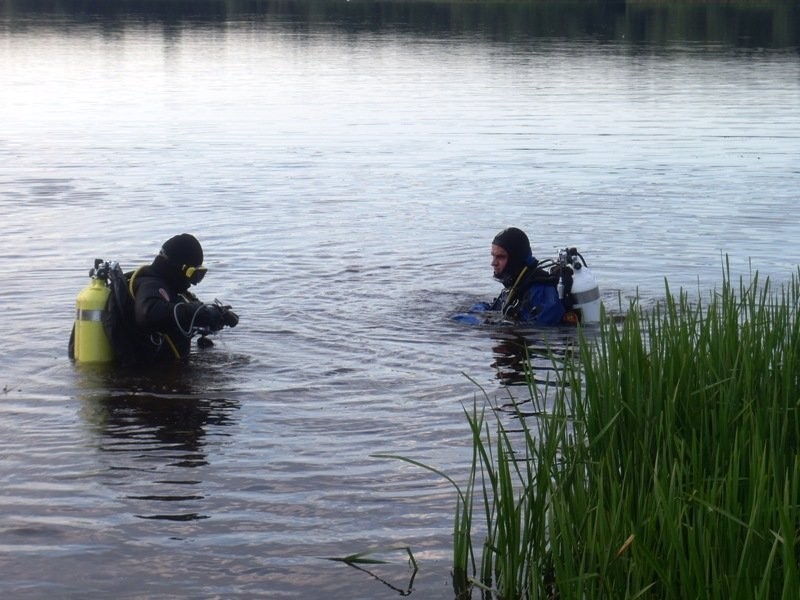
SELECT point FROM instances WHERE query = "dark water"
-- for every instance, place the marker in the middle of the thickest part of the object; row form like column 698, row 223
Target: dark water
column 345, row 166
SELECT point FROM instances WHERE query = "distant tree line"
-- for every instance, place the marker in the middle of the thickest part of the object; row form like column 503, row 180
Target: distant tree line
column 742, row 23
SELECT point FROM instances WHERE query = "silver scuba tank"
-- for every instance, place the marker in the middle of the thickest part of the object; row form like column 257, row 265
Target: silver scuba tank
column 585, row 293
column 580, row 285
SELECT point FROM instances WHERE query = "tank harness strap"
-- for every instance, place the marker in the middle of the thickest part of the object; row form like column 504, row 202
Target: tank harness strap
column 170, row 343
column 130, row 283
column 172, row 346
column 512, row 293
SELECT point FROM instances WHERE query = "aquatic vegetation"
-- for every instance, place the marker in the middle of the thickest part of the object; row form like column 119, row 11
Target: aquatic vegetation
column 663, row 461
column 371, row 557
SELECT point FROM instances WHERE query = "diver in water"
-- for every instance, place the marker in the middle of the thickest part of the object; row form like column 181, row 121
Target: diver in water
column 166, row 314
column 147, row 315
column 530, row 294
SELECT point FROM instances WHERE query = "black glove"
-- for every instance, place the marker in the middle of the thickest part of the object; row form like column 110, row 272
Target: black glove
column 213, row 316
column 202, row 315
column 227, row 316
column 230, row 318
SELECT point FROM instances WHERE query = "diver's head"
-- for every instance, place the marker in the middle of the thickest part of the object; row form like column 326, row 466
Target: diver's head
column 511, row 252
column 180, row 260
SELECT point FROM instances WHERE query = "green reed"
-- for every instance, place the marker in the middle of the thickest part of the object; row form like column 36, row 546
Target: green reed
column 662, row 462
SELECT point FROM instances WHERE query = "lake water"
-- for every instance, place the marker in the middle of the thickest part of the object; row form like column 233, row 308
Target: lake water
column 345, row 167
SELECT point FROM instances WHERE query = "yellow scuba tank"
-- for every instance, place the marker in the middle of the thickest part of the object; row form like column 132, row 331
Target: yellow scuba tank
column 91, row 342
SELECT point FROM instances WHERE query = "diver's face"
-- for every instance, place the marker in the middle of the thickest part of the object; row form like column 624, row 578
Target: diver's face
column 499, row 259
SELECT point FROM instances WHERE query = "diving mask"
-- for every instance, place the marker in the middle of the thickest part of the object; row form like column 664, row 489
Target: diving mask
column 194, row 274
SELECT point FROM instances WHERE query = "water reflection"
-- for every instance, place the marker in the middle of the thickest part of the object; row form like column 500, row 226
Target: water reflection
column 523, row 357
column 152, row 429
column 405, row 582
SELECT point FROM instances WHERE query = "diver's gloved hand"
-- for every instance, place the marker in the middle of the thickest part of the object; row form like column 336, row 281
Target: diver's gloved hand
column 211, row 317
column 208, row 315
column 468, row 318
column 229, row 318
column 480, row 307
column 193, row 314
column 224, row 314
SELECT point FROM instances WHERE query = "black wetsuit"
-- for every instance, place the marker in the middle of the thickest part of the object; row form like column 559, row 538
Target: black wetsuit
column 164, row 314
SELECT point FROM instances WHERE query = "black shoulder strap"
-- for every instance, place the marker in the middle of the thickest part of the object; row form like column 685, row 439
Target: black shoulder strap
column 118, row 318
column 542, row 277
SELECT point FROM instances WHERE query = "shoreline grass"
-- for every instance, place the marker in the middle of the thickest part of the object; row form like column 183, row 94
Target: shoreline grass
column 664, row 462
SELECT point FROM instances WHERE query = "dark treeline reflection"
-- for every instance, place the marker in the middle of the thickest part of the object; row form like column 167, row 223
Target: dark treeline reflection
column 756, row 23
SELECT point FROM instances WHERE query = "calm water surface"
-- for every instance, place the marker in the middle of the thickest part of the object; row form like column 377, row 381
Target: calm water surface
column 346, row 183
